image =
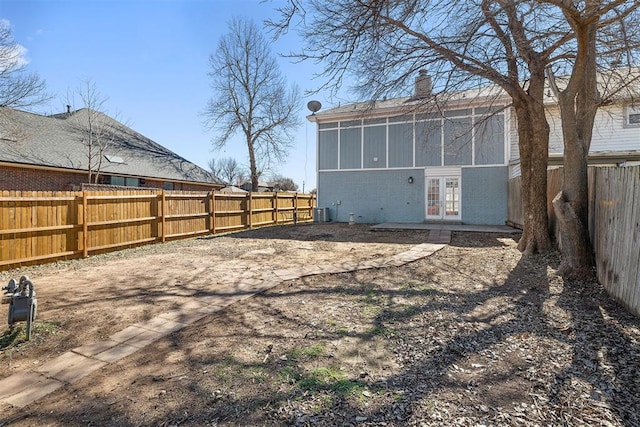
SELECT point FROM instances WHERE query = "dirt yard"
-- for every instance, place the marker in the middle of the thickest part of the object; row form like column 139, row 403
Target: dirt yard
column 473, row 335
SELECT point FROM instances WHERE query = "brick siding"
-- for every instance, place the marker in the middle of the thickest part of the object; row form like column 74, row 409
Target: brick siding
column 38, row 179
column 19, row 179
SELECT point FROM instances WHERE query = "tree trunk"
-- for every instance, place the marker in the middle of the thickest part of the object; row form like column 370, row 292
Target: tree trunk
column 577, row 257
column 571, row 204
column 578, row 104
column 253, row 168
column 533, row 134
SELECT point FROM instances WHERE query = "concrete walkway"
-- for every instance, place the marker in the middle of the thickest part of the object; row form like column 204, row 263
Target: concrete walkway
column 23, row 388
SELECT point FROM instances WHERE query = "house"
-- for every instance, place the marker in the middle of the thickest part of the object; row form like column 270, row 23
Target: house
column 262, row 186
column 417, row 159
column 233, row 189
column 51, row 153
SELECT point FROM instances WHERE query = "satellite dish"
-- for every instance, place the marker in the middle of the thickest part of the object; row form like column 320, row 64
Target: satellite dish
column 314, row 106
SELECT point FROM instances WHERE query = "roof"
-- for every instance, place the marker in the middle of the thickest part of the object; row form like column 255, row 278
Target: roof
column 58, row 141
column 486, row 96
column 232, row 189
column 620, row 85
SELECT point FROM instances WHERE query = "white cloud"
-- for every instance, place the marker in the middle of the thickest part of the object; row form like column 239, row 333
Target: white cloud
column 12, row 54
column 20, row 55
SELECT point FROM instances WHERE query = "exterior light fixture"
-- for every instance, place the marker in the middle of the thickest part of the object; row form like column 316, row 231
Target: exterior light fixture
column 410, row 180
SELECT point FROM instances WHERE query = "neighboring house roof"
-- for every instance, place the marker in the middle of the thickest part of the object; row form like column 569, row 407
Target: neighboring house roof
column 57, row 141
column 232, row 189
column 261, row 184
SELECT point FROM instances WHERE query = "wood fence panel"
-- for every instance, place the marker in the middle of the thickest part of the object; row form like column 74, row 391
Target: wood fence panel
column 515, row 212
column 36, row 226
column 230, row 212
column 263, row 209
column 4, row 225
column 306, row 203
column 603, row 240
column 39, row 226
column 515, row 209
column 286, row 208
column 116, row 219
column 186, row 214
column 617, row 235
column 614, row 226
column 591, row 175
column 554, row 184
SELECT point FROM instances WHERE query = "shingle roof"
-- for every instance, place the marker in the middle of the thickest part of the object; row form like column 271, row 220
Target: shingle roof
column 622, row 84
column 485, row 95
column 57, row 141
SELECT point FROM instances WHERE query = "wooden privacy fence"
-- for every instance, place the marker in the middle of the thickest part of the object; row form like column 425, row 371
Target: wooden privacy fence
column 614, row 226
column 47, row 226
column 515, row 211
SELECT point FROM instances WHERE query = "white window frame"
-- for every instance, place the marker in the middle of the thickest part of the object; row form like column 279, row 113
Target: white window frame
column 632, row 110
column 442, row 174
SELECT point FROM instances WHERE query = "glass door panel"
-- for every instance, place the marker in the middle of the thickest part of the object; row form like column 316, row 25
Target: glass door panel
column 443, row 198
column 452, row 197
column 434, row 199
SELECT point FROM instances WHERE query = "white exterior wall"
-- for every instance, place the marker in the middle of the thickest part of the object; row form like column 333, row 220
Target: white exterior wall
column 610, row 133
column 514, row 148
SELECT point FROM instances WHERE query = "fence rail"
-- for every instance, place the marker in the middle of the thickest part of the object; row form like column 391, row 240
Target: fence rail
column 614, row 226
column 47, row 226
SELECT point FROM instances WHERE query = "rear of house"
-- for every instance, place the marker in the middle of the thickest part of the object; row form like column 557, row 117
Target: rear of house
column 418, row 159
column 407, row 160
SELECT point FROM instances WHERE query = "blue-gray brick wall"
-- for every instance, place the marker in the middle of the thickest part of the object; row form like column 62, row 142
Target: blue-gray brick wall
column 386, row 196
column 484, row 195
column 373, row 196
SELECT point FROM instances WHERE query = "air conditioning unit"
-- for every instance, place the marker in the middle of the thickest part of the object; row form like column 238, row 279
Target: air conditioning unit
column 320, row 214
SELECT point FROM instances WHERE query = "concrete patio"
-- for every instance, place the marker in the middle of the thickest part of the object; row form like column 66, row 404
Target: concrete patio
column 390, row 226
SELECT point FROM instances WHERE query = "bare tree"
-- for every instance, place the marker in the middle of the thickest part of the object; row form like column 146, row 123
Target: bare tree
column 283, row 183
column 602, row 43
column 18, row 88
column 463, row 42
column 251, row 97
column 93, row 125
column 226, row 169
column 215, row 169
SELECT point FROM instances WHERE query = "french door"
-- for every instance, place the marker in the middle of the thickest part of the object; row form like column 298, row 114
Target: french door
column 443, row 198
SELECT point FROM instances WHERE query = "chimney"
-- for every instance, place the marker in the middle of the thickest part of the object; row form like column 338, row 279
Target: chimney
column 423, row 85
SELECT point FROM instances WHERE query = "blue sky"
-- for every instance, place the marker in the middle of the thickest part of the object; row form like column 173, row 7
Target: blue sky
column 150, row 58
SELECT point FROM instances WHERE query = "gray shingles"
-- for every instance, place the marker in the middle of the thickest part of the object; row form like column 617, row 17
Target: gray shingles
column 57, row 141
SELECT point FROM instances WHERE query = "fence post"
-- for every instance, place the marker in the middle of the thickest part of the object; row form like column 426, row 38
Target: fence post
column 295, row 209
column 163, row 205
column 249, row 209
column 85, row 225
column 275, row 207
column 212, row 212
